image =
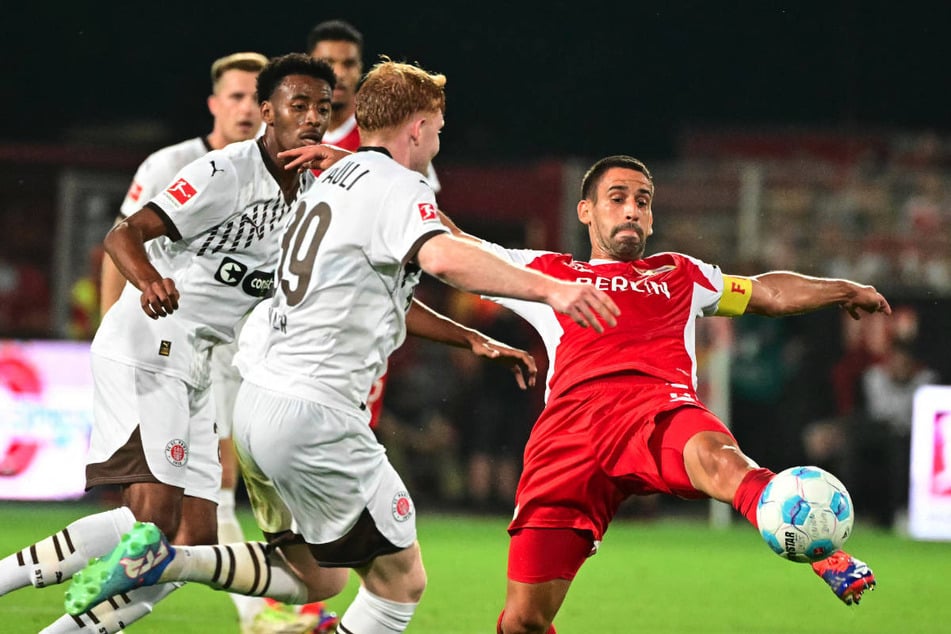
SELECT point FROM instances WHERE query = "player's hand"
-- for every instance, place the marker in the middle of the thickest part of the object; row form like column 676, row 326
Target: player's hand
column 867, row 299
column 520, row 362
column 159, row 298
column 588, row 306
column 312, row 157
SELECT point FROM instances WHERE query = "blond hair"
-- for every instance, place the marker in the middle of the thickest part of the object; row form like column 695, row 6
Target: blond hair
column 393, row 91
column 250, row 62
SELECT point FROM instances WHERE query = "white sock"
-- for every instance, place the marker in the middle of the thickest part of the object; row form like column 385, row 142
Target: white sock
column 63, row 554
column 110, row 616
column 245, row 568
column 229, row 532
column 370, row 614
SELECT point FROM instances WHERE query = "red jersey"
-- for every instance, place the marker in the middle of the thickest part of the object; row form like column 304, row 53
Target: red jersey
column 347, row 136
column 622, row 404
column 660, row 298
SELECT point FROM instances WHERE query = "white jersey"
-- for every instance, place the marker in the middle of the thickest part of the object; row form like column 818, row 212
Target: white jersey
column 344, row 283
column 157, row 170
column 225, row 212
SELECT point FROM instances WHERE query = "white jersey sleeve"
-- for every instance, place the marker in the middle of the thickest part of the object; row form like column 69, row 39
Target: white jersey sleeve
column 411, row 216
column 156, row 172
column 201, row 195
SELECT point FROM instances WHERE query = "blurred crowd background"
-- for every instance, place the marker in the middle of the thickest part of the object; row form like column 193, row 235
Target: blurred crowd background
column 810, row 169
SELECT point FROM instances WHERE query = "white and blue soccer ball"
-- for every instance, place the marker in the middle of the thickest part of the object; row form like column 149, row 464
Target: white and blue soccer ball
column 805, row 514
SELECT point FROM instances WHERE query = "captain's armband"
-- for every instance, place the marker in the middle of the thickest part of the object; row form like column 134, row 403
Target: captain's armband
column 736, row 296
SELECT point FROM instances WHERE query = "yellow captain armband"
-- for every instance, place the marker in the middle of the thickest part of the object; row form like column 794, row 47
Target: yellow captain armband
column 736, row 296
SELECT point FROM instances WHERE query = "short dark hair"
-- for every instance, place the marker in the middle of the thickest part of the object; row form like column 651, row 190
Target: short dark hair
column 292, row 64
column 334, row 30
column 592, row 177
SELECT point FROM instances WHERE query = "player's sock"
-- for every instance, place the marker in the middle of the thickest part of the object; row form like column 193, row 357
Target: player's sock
column 747, row 494
column 498, row 625
column 229, row 532
column 245, row 568
column 115, row 614
column 370, row 614
column 61, row 555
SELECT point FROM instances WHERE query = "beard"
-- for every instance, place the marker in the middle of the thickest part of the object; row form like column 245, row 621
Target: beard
column 628, row 248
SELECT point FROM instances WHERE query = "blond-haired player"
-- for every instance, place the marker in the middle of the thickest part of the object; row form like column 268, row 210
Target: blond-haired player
column 351, row 257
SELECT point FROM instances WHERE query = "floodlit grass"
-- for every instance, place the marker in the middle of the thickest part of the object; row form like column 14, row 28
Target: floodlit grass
column 661, row 576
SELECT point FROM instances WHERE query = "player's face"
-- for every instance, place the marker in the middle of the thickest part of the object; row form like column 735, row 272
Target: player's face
column 619, row 219
column 235, row 107
column 344, row 58
column 298, row 111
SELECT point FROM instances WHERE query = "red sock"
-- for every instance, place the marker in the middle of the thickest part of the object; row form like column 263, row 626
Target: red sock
column 498, row 626
column 747, row 494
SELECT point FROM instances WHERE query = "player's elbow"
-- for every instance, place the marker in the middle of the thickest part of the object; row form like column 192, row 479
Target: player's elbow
column 436, row 256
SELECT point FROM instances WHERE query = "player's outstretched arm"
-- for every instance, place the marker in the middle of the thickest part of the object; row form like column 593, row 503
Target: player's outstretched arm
column 312, row 157
column 781, row 293
column 125, row 244
column 111, row 281
column 469, row 267
column 423, row 321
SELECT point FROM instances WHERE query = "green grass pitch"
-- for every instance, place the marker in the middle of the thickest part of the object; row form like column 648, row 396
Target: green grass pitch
column 659, row 576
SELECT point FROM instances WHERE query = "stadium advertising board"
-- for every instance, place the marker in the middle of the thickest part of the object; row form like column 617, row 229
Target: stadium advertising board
column 45, row 419
column 929, row 510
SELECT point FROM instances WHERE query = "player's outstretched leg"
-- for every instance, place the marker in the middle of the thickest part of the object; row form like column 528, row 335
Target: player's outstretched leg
column 847, row 576
column 114, row 615
column 139, row 559
column 56, row 558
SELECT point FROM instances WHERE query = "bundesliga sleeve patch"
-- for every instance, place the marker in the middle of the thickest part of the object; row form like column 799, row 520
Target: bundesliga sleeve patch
column 135, row 190
column 181, row 191
column 736, row 296
column 427, row 211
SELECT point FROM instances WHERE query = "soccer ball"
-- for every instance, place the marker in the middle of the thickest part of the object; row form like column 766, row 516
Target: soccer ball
column 805, row 514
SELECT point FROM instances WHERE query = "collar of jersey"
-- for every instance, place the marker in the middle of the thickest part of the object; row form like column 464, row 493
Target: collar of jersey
column 374, row 148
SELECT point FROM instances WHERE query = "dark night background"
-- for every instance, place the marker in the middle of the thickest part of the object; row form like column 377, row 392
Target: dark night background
column 526, row 80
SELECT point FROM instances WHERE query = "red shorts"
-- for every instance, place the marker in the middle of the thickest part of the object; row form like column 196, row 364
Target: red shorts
column 603, row 442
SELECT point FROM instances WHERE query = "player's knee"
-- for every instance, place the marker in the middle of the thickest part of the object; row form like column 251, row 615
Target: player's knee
column 416, row 585
column 524, row 620
column 327, row 583
column 398, row 577
column 716, row 465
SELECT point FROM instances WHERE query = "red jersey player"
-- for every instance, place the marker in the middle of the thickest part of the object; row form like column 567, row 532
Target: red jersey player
column 622, row 416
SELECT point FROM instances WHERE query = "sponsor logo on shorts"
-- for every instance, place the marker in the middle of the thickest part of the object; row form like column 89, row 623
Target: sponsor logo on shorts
column 165, row 348
column 176, row 452
column 402, row 506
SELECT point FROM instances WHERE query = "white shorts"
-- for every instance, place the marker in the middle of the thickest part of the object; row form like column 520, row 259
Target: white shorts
column 225, row 380
column 326, row 465
column 139, row 414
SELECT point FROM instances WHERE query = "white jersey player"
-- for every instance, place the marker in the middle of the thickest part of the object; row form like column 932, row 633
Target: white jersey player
column 351, row 258
column 210, row 239
column 237, row 117
column 223, row 215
